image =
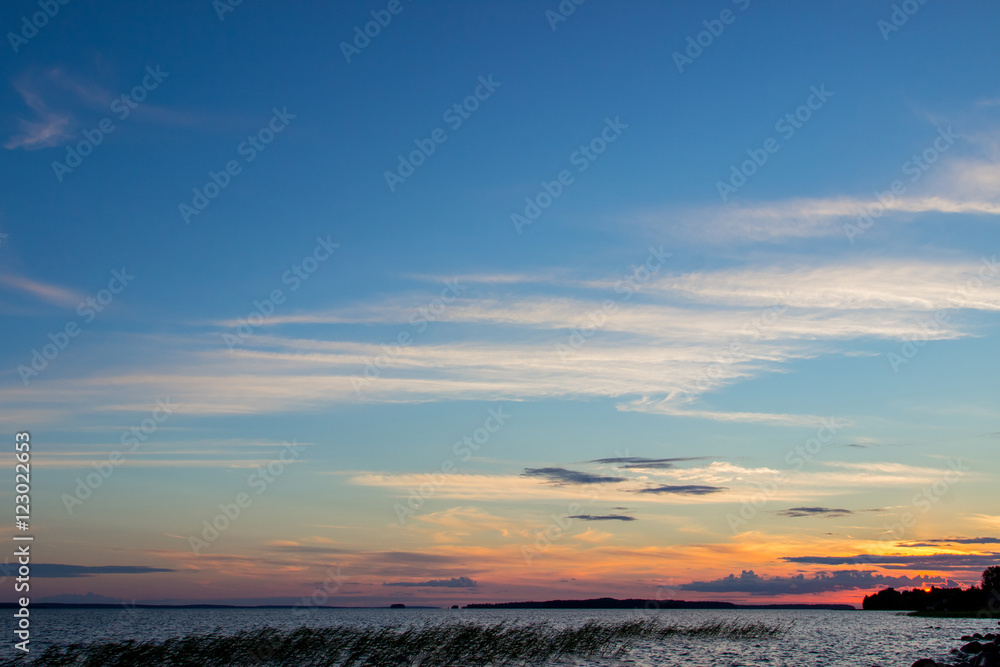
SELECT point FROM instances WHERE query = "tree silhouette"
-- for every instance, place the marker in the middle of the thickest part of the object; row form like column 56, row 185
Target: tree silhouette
column 991, row 580
column 941, row 599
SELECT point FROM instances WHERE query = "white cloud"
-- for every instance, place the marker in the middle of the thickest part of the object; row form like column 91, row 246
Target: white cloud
column 798, row 218
column 736, row 483
column 675, row 408
column 954, row 184
column 59, row 296
column 50, row 128
column 879, row 285
column 685, row 336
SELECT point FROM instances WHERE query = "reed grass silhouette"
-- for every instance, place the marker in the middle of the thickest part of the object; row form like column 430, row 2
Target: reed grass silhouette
column 445, row 645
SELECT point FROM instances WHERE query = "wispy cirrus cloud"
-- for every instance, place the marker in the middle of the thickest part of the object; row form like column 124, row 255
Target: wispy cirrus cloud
column 718, row 482
column 47, row 292
column 779, row 221
column 962, row 183
column 872, row 285
column 48, row 128
column 646, row 356
column 60, row 102
column 676, row 405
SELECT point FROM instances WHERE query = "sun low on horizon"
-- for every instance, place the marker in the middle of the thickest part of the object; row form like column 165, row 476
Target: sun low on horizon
column 441, row 303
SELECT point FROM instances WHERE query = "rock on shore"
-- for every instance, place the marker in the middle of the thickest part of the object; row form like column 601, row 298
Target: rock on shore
column 978, row 651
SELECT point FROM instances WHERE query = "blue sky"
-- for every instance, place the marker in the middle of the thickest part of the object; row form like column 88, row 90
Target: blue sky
column 641, row 316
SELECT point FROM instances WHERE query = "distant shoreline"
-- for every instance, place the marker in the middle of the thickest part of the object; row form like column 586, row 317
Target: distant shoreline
column 595, row 603
column 613, row 603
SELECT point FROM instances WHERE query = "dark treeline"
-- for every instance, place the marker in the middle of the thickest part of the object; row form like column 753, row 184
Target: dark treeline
column 973, row 598
column 936, row 599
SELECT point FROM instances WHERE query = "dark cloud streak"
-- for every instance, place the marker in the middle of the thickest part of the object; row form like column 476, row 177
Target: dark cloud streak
column 796, row 512
column 685, row 490
column 639, row 462
column 900, row 562
column 564, row 476
column 957, row 540
column 60, row 571
column 454, row 582
column 823, row 582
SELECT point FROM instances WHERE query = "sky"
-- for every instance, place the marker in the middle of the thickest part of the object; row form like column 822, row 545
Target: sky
column 441, row 303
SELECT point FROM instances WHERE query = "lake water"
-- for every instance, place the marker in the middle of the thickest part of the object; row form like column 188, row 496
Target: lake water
column 829, row 638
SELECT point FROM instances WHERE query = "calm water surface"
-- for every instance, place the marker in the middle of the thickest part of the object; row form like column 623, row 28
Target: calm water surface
column 834, row 638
